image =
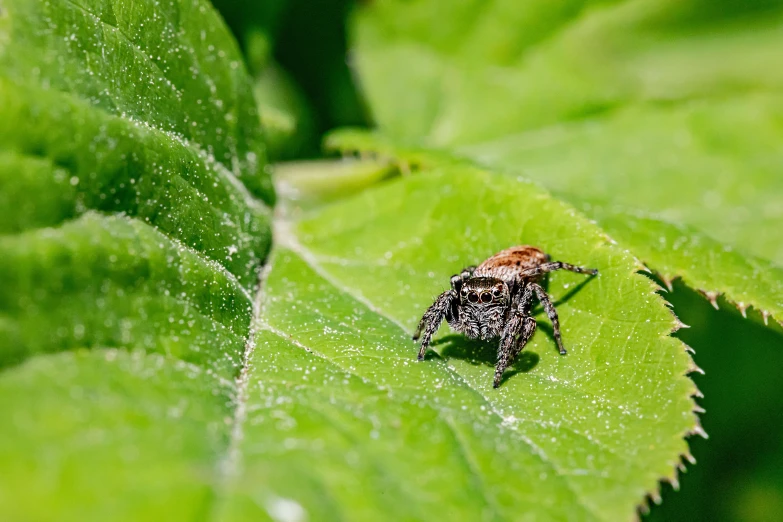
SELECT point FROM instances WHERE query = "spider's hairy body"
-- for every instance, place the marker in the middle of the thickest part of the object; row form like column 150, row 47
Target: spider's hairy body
column 494, row 300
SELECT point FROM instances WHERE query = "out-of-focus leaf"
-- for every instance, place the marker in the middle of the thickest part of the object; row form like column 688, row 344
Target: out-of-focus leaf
column 311, row 183
column 285, row 114
column 247, row 16
column 311, row 47
column 666, row 110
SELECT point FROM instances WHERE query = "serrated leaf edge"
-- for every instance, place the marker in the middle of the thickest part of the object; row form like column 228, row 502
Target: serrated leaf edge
column 363, row 145
column 284, row 232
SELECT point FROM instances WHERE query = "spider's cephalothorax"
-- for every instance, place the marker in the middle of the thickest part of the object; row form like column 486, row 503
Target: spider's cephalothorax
column 495, row 300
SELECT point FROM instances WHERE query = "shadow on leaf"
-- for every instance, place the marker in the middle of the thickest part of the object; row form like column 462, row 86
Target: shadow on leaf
column 482, row 353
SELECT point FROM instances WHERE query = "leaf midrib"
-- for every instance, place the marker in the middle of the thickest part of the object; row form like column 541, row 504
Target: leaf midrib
column 228, row 465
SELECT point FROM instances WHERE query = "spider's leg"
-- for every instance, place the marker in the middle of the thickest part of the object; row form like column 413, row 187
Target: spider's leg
column 420, row 327
column 517, row 325
column 551, row 313
column 513, row 327
column 510, row 345
column 432, row 318
column 556, row 265
column 456, row 284
column 467, row 272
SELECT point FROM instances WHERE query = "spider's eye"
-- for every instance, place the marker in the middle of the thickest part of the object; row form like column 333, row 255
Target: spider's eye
column 485, row 297
column 473, row 297
column 497, row 292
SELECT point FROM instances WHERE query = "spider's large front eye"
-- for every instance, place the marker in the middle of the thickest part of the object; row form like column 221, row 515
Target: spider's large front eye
column 485, row 297
column 473, row 297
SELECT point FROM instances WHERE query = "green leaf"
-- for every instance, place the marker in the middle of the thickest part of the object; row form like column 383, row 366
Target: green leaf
column 104, row 114
column 113, row 281
column 313, row 182
column 699, row 260
column 129, row 144
column 343, row 423
column 131, row 238
column 110, row 435
column 666, row 110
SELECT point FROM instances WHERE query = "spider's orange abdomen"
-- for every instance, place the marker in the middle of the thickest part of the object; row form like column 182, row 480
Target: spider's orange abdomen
column 507, row 263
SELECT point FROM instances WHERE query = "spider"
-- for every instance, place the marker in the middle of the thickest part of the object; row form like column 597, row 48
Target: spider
column 494, row 300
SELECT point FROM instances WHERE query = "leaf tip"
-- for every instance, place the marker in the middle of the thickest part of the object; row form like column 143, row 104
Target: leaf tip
column 638, row 265
column 712, row 297
column 698, row 430
column 693, row 368
column 679, row 325
column 667, row 281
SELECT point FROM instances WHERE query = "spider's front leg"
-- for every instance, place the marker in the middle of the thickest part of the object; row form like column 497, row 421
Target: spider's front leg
column 443, row 307
column 466, row 273
column 518, row 331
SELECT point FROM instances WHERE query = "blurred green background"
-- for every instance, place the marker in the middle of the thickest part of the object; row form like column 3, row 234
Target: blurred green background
column 301, row 45
column 739, row 470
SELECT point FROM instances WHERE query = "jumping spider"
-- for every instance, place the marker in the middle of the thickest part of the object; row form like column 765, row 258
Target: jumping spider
column 495, row 299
